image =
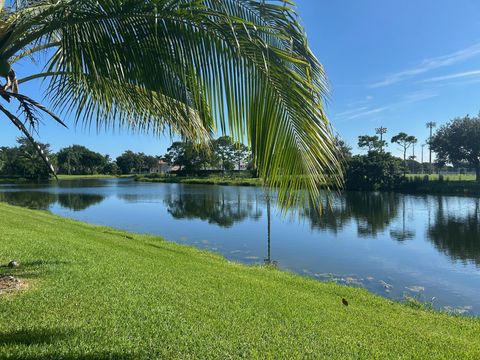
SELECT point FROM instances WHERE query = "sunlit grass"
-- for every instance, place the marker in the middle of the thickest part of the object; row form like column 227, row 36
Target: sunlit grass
column 217, row 180
column 81, row 177
column 449, row 177
column 95, row 292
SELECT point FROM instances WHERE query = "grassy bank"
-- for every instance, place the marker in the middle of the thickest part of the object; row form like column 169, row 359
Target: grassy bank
column 94, row 292
column 412, row 185
column 85, row 177
column 217, row 180
column 19, row 180
column 447, row 177
column 441, row 186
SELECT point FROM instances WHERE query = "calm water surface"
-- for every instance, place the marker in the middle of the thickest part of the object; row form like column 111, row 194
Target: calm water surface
column 395, row 245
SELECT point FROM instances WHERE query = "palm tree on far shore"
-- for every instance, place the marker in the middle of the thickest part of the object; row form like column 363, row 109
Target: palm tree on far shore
column 192, row 68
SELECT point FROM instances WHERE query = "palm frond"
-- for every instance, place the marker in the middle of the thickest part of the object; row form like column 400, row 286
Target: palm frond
column 193, row 67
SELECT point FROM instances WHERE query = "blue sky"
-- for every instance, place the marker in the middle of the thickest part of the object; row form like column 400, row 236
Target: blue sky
column 393, row 63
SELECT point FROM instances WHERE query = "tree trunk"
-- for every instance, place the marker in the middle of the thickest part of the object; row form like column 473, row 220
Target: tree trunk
column 477, row 174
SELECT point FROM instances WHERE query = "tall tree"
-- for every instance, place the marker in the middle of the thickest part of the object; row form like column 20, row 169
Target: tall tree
column 224, row 151
column 187, row 156
column 405, row 141
column 192, row 67
column 241, row 155
column 381, row 131
column 127, row 162
column 24, row 160
column 79, row 160
column 344, row 149
column 458, row 141
column 371, row 143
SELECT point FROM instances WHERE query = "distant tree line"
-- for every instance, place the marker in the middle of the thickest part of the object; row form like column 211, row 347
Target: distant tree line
column 456, row 145
column 223, row 154
column 23, row 160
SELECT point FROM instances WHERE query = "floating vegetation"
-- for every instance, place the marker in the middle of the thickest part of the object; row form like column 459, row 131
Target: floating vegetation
column 351, row 280
column 460, row 310
column 415, row 289
column 324, row 275
column 354, row 281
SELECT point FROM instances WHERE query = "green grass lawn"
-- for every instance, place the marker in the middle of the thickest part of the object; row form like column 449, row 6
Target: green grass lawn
column 450, row 177
column 94, row 292
column 216, row 180
column 7, row 180
column 86, row 177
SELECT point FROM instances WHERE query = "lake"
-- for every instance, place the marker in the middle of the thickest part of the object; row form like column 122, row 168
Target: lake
column 426, row 247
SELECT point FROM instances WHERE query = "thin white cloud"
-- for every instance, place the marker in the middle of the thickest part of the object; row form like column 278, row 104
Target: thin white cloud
column 430, row 64
column 352, row 112
column 418, row 96
column 365, row 111
column 460, row 75
column 359, row 113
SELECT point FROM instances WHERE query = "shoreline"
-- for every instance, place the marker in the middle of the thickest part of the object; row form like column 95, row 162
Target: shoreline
column 202, row 181
column 145, row 288
column 433, row 187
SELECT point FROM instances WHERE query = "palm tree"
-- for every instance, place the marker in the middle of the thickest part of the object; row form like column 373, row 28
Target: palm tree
column 186, row 67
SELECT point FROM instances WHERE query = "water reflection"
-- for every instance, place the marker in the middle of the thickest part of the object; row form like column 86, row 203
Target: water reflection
column 457, row 236
column 78, row 202
column 402, row 233
column 372, row 213
column 44, row 200
column 223, row 207
column 268, row 260
column 32, row 200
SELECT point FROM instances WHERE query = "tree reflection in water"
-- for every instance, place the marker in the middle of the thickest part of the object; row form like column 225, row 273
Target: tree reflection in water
column 223, row 207
column 78, row 202
column 403, row 233
column 372, row 212
column 31, row 199
column 40, row 200
column 457, row 236
column 268, row 260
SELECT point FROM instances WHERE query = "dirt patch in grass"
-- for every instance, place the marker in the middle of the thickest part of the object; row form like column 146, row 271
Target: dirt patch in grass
column 10, row 283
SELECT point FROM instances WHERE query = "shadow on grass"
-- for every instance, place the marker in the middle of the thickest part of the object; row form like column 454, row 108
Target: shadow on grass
column 41, row 336
column 91, row 356
column 32, row 336
column 37, row 264
column 33, row 269
column 164, row 249
column 41, row 262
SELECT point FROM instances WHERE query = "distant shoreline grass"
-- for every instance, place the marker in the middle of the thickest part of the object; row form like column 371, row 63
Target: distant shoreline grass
column 413, row 185
column 446, row 177
column 440, row 186
column 217, row 180
column 81, row 177
column 20, row 180
column 96, row 292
